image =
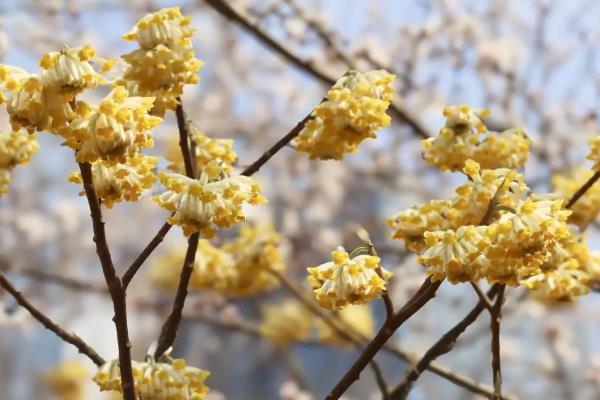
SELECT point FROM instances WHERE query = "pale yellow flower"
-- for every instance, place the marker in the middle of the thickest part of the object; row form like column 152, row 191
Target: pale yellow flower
column 286, row 322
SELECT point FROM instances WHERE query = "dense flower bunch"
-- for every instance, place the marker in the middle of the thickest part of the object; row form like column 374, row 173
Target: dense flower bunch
column 213, row 199
column 286, row 322
column 156, row 380
column 16, row 147
column 495, row 227
column 346, row 280
column 113, row 130
column 594, row 154
column 587, row 208
column 115, row 182
column 354, row 110
column 165, row 60
column 465, row 136
column 46, row 101
column 67, row 380
column 206, row 149
column 236, row 268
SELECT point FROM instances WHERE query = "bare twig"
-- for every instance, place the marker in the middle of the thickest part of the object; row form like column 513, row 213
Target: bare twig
column 171, row 325
column 441, row 347
column 115, row 287
column 426, row 293
column 281, row 143
column 68, row 337
column 496, row 315
column 586, row 186
column 48, row 277
column 487, row 302
column 139, row 261
column 389, row 305
column 244, row 20
column 189, row 159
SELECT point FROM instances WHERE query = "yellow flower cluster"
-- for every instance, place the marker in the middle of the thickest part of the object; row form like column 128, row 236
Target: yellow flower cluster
column 237, row 268
column 467, row 207
column 565, row 275
column 114, row 130
column 465, row 136
column 495, row 227
column 587, row 208
column 345, row 281
column 46, row 101
column 67, row 380
column 354, row 110
column 213, row 199
column 594, row 154
column 155, row 380
column 165, row 61
column 355, row 319
column 16, row 147
column 115, row 182
column 206, row 149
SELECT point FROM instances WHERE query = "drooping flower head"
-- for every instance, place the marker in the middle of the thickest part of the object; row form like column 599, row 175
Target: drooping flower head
column 155, row 380
column 465, row 136
column 67, row 380
column 286, row 322
column 345, row 281
column 115, row 129
column 115, row 182
column 215, row 199
column 165, row 61
column 354, row 110
column 16, row 148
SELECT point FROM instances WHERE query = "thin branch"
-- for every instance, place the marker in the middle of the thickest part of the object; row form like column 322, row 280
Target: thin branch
column 487, row 302
column 171, row 325
column 115, row 287
column 426, row 293
column 496, row 316
column 586, row 186
column 47, row 277
column 441, row 347
column 387, row 301
column 139, row 261
column 244, row 20
column 184, row 140
column 343, row 332
column 281, row 143
column 71, row 338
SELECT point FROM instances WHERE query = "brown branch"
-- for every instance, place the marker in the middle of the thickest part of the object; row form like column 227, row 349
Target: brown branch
column 281, row 143
column 241, row 18
column 139, row 261
column 184, row 140
column 68, row 337
column 115, row 287
column 441, row 347
column 387, row 301
column 425, row 293
column 586, row 186
column 171, row 325
column 47, row 277
column 487, row 302
column 496, row 316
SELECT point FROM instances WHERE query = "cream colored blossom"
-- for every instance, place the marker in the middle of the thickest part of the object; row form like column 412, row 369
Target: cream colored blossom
column 165, row 61
column 16, row 148
column 354, row 110
column 155, row 380
column 465, row 136
column 345, row 281
column 115, row 129
column 215, row 199
column 286, row 322
column 456, row 255
column 115, row 182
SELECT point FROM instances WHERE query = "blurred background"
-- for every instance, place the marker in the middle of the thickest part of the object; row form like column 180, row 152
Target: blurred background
column 535, row 64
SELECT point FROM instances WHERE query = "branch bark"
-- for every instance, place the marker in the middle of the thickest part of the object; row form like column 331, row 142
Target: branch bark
column 115, row 286
column 68, row 337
